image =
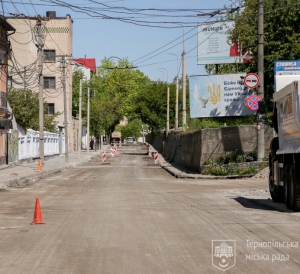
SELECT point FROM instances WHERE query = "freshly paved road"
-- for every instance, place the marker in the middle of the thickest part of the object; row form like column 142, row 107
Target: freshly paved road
column 131, row 216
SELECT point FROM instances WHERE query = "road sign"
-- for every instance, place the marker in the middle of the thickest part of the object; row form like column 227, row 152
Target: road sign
column 251, row 80
column 252, row 102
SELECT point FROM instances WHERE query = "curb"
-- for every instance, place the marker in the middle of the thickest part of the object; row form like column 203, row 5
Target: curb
column 181, row 174
column 26, row 180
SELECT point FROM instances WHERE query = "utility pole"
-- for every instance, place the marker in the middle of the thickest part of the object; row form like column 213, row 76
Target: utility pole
column 168, row 111
column 176, row 103
column 88, row 122
column 40, row 45
column 183, row 90
column 80, row 120
column 260, row 70
column 66, row 124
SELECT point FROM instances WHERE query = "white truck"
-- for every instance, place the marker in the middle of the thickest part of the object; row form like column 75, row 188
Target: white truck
column 284, row 157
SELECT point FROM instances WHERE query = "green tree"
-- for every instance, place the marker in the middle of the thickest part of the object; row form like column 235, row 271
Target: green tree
column 77, row 75
column 113, row 92
column 151, row 103
column 281, row 38
column 25, row 107
column 132, row 129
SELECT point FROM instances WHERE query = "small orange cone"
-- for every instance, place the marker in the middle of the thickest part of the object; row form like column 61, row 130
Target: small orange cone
column 39, row 167
column 37, row 219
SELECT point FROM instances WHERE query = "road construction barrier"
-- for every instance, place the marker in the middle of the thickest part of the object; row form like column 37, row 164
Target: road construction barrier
column 112, row 152
column 149, row 152
column 156, row 157
column 104, row 157
column 39, row 167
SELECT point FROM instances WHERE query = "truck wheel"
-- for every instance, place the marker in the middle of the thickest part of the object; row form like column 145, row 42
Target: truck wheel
column 286, row 187
column 294, row 190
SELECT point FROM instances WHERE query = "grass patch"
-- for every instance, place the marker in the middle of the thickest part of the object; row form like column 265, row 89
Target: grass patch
column 225, row 170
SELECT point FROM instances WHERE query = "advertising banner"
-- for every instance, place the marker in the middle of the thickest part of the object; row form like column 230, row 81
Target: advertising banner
column 215, row 46
column 285, row 72
column 218, row 95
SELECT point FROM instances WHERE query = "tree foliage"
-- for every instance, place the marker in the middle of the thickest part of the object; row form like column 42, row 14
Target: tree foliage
column 132, row 129
column 119, row 90
column 25, row 107
column 112, row 94
column 281, row 38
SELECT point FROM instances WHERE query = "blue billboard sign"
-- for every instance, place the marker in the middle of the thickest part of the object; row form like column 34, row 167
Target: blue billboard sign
column 291, row 67
column 285, row 72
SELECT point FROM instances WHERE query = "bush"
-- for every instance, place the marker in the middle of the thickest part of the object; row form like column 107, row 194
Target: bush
column 225, row 170
column 194, row 124
column 232, row 157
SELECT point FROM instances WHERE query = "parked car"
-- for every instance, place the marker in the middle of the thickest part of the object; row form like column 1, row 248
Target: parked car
column 129, row 140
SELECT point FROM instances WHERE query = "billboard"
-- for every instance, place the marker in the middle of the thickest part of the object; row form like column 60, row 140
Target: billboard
column 285, row 72
column 218, row 95
column 214, row 45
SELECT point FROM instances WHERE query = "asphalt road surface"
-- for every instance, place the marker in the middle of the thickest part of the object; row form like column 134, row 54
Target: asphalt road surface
column 131, row 216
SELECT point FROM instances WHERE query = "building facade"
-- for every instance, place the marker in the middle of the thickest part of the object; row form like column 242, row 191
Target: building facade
column 56, row 35
column 5, row 115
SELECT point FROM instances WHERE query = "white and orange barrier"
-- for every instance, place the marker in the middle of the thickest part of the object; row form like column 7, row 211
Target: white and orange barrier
column 156, row 157
column 149, row 152
column 104, row 156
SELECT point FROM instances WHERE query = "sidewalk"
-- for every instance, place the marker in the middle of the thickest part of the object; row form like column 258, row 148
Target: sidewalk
column 20, row 175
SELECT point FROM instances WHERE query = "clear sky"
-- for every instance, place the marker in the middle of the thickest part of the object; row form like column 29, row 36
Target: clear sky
column 145, row 32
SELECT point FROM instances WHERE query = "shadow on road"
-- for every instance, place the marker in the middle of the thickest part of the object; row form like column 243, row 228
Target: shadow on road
column 262, row 204
column 134, row 153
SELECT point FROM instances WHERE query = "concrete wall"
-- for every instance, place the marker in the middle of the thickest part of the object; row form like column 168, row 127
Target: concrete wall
column 192, row 149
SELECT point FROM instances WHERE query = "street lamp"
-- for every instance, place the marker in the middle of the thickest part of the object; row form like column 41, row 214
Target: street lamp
column 177, row 91
column 126, row 67
column 163, row 74
column 166, row 71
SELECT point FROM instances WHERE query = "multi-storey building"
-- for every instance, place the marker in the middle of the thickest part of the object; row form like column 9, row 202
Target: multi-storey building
column 5, row 114
column 57, row 36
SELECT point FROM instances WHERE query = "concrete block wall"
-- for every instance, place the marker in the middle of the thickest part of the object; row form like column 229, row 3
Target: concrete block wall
column 192, row 149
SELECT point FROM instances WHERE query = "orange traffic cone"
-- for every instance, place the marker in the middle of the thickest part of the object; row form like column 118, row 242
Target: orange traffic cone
column 39, row 167
column 37, row 219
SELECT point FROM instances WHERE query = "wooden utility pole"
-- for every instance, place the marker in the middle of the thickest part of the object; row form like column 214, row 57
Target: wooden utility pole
column 260, row 70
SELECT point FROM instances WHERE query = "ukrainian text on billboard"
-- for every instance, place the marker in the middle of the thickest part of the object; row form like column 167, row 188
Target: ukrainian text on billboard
column 218, row 95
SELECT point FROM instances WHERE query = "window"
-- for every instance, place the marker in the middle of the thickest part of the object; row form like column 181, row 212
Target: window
column 50, row 109
column 49, row 82
column 49, row 55
column 9, row 81
column 3, row 99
